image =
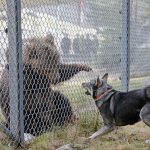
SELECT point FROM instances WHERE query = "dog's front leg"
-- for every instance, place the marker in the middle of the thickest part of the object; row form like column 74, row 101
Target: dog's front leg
column 102, row 131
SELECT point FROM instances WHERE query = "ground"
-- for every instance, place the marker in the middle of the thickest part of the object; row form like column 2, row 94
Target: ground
column 124, row 138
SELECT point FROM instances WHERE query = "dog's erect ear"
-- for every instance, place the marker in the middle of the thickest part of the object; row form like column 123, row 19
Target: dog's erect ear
column 105, row 77
column 98, row 82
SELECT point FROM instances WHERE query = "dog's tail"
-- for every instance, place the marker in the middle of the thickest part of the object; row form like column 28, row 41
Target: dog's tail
column 147, row 90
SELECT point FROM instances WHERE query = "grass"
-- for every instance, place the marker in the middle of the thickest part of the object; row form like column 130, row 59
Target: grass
column 125, row 138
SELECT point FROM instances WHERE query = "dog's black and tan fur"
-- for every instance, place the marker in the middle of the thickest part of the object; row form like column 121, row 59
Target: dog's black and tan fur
column 118, row 108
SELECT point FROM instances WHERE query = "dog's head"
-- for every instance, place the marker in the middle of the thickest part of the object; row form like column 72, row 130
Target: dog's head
column 97, row 86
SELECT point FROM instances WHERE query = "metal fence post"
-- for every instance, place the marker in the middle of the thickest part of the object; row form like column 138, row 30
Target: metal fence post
column 125, row 45
column 15, row 69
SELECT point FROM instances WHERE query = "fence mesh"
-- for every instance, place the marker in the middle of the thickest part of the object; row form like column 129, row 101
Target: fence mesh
column 62, row 42
column 139, row 44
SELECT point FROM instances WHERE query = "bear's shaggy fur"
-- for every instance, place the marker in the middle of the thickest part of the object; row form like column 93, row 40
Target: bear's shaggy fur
column 42, row 106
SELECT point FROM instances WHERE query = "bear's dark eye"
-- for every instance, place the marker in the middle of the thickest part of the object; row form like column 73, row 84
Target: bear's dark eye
column 33, row 55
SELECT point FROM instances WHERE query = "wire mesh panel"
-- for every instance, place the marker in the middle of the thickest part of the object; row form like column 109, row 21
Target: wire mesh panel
column 62, row 42
column 140, row 52
column 3, row 48
column 65, row 38
column 65, row 43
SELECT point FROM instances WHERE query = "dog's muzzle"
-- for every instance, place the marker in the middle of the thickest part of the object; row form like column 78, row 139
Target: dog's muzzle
column 87, row 93
column 85, row 86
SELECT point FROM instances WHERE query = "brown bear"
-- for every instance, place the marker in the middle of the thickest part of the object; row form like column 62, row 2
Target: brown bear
column 43, row 107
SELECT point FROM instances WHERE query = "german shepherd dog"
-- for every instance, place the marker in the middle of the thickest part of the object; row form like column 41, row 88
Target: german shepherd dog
column 118, row 108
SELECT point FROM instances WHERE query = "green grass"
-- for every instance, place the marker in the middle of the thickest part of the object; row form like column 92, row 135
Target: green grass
column 125, row 138
column 139, row 82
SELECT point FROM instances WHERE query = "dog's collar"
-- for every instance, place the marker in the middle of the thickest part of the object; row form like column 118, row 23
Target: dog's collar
column 104, row 97
column 100, row 96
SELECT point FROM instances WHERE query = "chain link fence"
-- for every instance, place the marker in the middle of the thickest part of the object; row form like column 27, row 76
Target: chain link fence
column 48, row 48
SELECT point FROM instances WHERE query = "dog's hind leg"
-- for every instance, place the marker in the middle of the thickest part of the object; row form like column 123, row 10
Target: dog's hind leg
column 102, row 131
column 145, row 114
column 145, row 117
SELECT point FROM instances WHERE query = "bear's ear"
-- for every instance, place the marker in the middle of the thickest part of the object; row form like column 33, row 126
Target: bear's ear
column 105, row 77
column 98, row 82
